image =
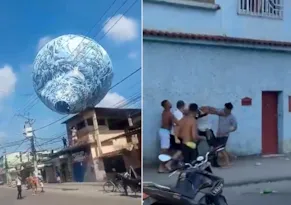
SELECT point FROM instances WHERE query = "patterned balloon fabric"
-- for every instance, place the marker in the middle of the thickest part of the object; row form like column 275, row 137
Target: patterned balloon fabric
column 71, row 73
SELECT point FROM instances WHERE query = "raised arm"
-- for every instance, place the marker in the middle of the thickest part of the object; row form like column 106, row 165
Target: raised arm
column 212, row 110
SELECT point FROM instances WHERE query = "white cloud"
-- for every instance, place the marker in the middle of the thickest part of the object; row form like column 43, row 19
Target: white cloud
column 7, row 81
column 44, row 40
column 126, row 29
column 113, row 100
column 132, row 55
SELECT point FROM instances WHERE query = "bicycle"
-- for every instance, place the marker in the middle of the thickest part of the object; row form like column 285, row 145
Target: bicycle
column 113, row 185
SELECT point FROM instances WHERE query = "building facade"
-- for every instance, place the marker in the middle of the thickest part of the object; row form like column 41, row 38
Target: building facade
column 99, row 135
column 215, row 52
column 22, row 162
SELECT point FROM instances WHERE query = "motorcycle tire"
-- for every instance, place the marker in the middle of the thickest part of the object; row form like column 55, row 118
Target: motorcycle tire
column 220, row 200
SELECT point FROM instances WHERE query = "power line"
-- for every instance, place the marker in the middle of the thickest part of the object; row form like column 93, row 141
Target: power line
column 118, row 83
column 90, row 30
column 20, row 144
column 106, row 31
column 118, row 19
column 85, row 37
column 40, row 128
column 34, row 100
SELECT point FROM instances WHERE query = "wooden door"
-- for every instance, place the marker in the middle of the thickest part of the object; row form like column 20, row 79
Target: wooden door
column 269, row 122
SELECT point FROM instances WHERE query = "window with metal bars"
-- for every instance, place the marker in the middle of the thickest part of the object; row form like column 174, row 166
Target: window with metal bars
column 262, row 8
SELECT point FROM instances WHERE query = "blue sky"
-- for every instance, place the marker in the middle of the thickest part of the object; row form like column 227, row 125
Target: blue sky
column 27, row 25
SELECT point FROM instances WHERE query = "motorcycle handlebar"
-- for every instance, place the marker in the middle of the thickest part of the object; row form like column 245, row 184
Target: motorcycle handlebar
column 193, row 163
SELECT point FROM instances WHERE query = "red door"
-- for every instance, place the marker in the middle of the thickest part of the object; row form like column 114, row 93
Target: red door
column 269, row 122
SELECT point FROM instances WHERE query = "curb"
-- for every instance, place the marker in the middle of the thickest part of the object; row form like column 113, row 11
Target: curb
column 258, row 181
column 254, row 181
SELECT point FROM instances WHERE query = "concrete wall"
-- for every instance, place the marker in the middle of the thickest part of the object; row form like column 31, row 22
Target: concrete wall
column 210, row 75
column 225, row 21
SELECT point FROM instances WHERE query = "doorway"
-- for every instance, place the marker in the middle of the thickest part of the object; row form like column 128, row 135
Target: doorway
column 270, row 122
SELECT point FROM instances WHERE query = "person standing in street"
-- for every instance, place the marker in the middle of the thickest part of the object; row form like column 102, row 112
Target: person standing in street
column 34, row 185
column 19, row 187
column 41, row 185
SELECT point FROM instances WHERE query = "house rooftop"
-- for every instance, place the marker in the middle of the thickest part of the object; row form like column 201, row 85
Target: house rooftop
column 108, row 112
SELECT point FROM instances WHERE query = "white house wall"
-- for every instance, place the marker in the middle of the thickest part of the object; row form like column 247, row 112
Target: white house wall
column 225, row 21
column 210, row 75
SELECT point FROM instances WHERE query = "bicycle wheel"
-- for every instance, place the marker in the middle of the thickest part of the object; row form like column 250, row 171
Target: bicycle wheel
column 108, row 186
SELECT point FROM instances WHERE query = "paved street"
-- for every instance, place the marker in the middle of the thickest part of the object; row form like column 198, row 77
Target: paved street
column 251, row 194
column 244, row 171
column 58, row 197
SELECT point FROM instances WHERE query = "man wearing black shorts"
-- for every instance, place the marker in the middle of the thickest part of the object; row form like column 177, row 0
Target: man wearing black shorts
column 226, row 124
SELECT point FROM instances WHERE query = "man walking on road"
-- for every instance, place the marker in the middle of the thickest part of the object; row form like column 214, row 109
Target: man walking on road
column 19, row 187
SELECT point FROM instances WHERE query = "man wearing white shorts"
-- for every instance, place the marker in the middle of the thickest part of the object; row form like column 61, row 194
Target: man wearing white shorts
column 165, row 131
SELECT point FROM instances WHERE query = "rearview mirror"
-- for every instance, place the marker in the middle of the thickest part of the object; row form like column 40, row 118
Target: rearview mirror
column 164, row 157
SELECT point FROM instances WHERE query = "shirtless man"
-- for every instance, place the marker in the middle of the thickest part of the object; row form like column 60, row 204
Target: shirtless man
column 165, row 131
column 189, row 134
column 168, row 120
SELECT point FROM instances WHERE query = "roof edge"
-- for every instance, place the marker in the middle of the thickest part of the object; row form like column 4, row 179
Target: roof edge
column 214, row 38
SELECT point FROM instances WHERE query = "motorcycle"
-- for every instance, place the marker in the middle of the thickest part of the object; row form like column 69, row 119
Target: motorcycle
column 133, row 183
column 196, row 185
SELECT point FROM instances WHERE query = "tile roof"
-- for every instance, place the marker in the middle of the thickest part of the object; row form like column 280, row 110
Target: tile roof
column 204, row 37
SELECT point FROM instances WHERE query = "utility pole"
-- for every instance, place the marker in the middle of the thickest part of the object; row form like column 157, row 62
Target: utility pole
column 6, row 166
column 28, row 132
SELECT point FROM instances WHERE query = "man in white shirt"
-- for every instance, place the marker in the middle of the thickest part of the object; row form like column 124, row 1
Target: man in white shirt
column 178, row 114
column 19, row 187
column 175, row 141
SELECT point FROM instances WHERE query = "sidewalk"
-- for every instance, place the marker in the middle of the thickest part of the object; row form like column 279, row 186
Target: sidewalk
column 243, row 171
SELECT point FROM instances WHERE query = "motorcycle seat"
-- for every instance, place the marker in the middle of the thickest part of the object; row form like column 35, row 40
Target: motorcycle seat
column 158, row 186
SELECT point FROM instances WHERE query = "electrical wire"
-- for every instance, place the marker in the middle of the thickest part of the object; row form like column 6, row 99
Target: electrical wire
column 118, row 83
column 40, row 128
column 105, row 32
column 36, row 98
